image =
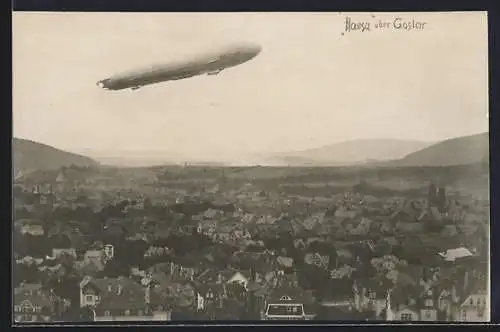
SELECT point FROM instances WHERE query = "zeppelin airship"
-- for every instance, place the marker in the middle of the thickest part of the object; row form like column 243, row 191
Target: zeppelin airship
column 209, row 64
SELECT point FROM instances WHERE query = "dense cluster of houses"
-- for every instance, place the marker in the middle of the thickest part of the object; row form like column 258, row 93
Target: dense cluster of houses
column 448, row 283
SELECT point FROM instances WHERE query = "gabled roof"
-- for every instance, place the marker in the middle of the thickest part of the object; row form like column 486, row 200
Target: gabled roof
column 122, row 294
column 33, row 295
column 453, row 254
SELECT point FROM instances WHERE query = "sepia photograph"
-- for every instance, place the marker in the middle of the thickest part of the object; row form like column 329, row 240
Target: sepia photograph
column 250, row 166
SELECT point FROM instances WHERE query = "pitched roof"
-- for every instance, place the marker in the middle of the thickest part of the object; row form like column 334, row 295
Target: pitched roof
column 34, row 294
column 451, row 255
column 122, row 294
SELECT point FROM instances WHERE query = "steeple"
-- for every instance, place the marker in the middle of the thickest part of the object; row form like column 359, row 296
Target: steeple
column 389, row 315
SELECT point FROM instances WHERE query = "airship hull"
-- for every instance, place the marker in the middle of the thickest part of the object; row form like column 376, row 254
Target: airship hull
column 208, row 64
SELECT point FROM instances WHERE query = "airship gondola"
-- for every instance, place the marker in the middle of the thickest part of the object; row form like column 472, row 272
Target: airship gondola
column 209, row 64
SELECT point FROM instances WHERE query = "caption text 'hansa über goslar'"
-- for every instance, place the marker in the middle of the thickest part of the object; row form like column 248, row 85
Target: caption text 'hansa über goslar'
column 396, row 23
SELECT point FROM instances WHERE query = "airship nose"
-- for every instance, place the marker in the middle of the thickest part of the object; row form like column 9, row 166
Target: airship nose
column 255, row 49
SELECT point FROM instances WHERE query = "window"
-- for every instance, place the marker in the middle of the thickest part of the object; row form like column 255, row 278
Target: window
column 372, row 295
column 285, row 298
column 429, row 303
column 18, row 318
column 88, row 298
column 406, row 317
column 139, row 313
column 107, row 313
column 480, row 313
column 127, row 312
column 478, row 301
column 471, row 301
column 427, row 314
column 34, row 318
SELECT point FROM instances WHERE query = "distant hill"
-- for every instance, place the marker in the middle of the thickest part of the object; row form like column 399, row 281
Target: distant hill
column 350, row 152
column 464, row 150
column 29, row 155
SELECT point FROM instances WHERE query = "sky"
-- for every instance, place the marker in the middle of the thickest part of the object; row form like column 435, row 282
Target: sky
column 312, row 85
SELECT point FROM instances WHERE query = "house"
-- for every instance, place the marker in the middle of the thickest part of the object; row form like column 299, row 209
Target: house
column 285, row 262
column 34, row 304
column 407, row 313
column 31, row 229
column 207, row 228
column 172, row 290
column 312, row 221
column 474, row 308
column 362, row 228
column 429, row 305
column 121, row 299
column 210, row 295
column 285, row 302
column 447, row 298
column 453, row 254
column 238, row 277
column 345, row 271
column 93, row 255
column 238, row 235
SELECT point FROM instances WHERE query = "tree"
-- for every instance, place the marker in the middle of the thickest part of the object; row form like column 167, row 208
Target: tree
column 25, row 273
column 386, row 267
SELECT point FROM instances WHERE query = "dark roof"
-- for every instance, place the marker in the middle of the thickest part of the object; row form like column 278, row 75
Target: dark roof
column 122, row 294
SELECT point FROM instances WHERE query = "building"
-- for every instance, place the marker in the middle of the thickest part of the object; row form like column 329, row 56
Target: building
column 285, row 308
column 34, row 304
column 122, row 299
column 286, row 302
column 473, row 308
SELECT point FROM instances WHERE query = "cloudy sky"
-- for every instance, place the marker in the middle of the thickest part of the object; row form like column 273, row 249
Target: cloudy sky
column 311, row 85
